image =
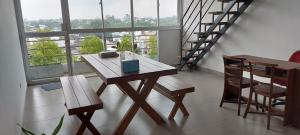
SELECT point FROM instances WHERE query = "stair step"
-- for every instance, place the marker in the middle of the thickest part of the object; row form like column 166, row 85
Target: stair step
column 204, row 33
column 211, row 23
column 197, row 41
column 189, row 50
column 190, row 61
column 221, row 12
column 196, row 55
column 227, row 1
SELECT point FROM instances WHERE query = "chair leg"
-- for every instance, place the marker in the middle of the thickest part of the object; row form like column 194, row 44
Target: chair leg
column 224, row 94
column 269, row 113
column 249, row 103
column 239, row 101
column 256, row 102
column 264, row 104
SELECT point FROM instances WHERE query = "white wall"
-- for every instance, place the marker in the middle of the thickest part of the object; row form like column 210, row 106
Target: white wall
column 169, row 46
column 12, row 77
column 269, row 28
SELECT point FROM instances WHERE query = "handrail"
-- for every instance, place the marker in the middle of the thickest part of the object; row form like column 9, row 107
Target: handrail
column 197, row 23
column 191, row 13
column 188, row 9
column 194, row 17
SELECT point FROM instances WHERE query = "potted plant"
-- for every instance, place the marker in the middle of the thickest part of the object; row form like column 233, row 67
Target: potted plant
column 55, row 132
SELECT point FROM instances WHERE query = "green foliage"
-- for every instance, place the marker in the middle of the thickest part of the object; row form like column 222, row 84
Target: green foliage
column 91, row 45
column 55, row 132
column 153, row 46
column 126, row 43
column 45, row 52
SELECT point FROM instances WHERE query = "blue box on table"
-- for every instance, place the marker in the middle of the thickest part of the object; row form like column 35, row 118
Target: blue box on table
column 130, row 66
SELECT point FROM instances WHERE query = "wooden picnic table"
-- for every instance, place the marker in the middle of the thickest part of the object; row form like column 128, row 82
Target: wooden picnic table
column 109, row 70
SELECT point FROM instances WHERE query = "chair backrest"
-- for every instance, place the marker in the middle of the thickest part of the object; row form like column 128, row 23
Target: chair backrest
column 264, row 70
column 295, row 57
column 233, row 68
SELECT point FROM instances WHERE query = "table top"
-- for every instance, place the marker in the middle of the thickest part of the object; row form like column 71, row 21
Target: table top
column 285, row 65
column 109, row 69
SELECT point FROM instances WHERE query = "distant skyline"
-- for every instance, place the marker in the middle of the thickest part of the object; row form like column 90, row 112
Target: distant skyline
column 90, row 9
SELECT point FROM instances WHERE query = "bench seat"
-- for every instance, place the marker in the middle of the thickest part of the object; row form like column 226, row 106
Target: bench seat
column 175, row 90
column 81, row 100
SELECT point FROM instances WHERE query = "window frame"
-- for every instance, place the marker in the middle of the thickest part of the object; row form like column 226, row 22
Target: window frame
column 66, row 30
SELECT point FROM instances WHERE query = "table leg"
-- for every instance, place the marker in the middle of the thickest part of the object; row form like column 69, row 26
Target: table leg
column 139, row 102
column 140, row 85
column 101, row 89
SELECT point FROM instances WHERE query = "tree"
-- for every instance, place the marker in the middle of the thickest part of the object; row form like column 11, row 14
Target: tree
column 92, row 44
column 153, row 46
column 126, row 43
column 45, row 52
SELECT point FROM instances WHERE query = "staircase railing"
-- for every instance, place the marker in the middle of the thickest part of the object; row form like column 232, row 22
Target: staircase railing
column 199, row 13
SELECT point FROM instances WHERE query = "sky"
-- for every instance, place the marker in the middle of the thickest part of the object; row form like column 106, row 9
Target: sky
column 90, row 9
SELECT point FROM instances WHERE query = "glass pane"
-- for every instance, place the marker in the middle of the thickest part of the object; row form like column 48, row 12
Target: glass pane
column 41, row 14
column 85, row 14
column 168, row 13
column 84, row 43
column 116, row 13
column 120, row 41
column 145, row 13
column 145, row 43
column 47, row 57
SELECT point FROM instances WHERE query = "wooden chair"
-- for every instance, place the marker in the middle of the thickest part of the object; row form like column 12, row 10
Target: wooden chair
column 265, row 89
column 233, row 76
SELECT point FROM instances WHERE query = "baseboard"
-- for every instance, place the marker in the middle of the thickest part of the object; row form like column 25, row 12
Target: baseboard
column 208, row 70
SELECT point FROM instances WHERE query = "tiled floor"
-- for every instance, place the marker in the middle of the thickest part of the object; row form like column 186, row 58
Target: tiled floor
column 43, row 110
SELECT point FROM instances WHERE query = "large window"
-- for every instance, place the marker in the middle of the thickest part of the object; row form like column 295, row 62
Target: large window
column 84, row 43
column 41, row 14
column 145, row 13
column 119, row 41
column 85, row 14
column 116, row 13
column 96, row 25
column 145, row 43
column 46, row 56
column 168, row 13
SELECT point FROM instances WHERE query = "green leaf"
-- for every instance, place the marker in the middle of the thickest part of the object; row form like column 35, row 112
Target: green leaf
column 58, row 126
column 25, row 131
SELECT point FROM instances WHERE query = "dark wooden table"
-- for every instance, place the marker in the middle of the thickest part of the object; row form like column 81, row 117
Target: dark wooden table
column 109, row 70
column 289, row 71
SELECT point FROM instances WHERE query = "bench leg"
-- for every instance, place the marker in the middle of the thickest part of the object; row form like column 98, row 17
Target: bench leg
column 178, row 105
column 87, row 124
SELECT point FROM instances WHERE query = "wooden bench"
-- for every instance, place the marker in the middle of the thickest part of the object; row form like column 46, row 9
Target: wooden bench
column 81, row 101
column 175, row 90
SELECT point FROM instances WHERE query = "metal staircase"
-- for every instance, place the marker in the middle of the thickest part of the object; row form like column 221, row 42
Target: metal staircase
column 192, row 51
